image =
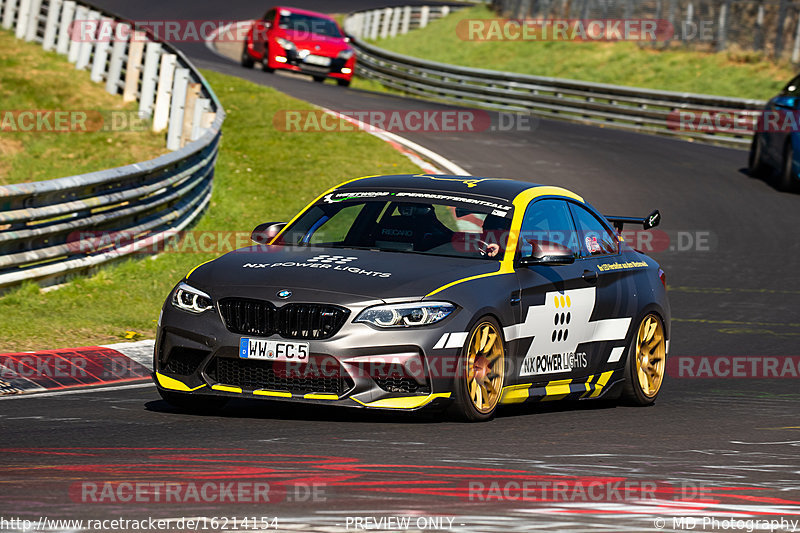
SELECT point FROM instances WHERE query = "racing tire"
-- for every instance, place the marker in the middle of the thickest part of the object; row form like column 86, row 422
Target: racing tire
column 646, row 363
column 786, row 179
column 757, row 168
column 343, row 83
column 480, row 373
column 265, row 65
column 192, row 402
column 319, row 79
column 246, row 61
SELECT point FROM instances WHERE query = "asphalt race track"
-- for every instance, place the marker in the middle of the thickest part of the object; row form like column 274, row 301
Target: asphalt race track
column 716, row 448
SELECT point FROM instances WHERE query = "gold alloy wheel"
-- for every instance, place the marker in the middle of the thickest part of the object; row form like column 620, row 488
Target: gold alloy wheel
column 651, row 355
column 485, row 367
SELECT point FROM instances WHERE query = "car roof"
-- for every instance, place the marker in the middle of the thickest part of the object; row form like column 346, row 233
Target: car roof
column 304, row 12
column 500, row 188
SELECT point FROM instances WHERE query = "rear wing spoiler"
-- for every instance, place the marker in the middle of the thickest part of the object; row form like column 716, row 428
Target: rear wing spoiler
column 650, row 221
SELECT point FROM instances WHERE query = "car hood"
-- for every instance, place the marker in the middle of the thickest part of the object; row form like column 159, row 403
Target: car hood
column 361, row 274
column 309, row 41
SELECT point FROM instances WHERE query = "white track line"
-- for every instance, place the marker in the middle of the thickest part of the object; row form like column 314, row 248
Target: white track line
column 87, row 390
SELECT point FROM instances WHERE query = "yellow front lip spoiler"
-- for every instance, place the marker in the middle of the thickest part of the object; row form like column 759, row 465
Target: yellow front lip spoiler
column 405, row 402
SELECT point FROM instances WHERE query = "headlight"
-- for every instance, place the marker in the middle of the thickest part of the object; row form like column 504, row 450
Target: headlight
column 346, row 54
column 285, row 44
column 190, row 299
column 405, row 315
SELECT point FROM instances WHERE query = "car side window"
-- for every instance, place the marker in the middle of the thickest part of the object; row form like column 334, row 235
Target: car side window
column 270, row 16
column 594, row 237
column 547, row 222
column 334, row 229
column 792, row 88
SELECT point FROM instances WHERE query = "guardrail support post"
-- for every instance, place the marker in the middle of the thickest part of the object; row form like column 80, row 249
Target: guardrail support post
column 796, row 47
column 64, row 22
column 166, row 74
column 8, row 14
column 123, row 32
column 101, row 50
column 33, row 20
column 387, row 20
column 192, row 94
column 396, row 16
column 22, row 18
column 406, row 25
column 722, row 35
column 87, row 38
column 201, row 107
column 177, row 108
column 51, row 25
column 376, row 20
column 365, row 25
column 424, row 16
column 149, row 78
column 81, row 12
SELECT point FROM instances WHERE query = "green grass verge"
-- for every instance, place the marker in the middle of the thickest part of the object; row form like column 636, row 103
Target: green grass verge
column 31, row 79
column 737, row 74
column 262, row 175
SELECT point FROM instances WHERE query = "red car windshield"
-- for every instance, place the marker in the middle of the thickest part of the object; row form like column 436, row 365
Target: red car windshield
column 310, row 25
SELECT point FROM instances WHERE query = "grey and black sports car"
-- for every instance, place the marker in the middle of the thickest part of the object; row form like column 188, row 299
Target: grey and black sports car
column 399, row 292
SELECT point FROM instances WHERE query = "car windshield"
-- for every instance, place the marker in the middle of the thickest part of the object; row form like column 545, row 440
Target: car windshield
column 310, row 25
column 410, row 222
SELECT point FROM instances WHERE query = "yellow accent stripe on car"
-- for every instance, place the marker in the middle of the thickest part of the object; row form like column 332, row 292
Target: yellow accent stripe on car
column 198, row 266
column 520, row 203
column 588, row 386
column 273, row 393
column 317, row 396
column 515, row 393
column 601, row 382
column 315, row 200
column 556, row 390
column 409, row 402
column 173, row 384
column 226, row 388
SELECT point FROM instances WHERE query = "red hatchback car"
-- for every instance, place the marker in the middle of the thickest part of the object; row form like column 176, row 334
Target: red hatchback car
column 301, row 41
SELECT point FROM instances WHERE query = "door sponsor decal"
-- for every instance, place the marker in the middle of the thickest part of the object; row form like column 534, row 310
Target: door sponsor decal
column 558, row 327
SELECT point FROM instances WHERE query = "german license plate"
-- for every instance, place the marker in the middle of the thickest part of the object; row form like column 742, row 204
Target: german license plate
column 273, row 350
column 322, row 61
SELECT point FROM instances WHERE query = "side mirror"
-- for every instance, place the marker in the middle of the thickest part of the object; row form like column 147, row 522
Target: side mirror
column 652, row 220
column 547, row 253
column 264, row 233
column 785, row 102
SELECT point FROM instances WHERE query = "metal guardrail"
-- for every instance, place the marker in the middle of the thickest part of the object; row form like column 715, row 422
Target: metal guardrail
column 630, row 108
column 55, row 228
